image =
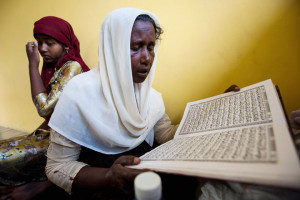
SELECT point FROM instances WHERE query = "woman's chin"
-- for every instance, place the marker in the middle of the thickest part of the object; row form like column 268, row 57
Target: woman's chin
column 140, row 80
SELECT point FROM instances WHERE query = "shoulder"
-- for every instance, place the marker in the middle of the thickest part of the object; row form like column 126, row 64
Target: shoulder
column 72, row 67
column 84, row 82
column 154, row 94
column 156, row 103
column 66, row 72
column 72, row 63
column 88, row 77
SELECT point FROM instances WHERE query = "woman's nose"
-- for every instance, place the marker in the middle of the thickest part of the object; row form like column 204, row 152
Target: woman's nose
column 145, row 55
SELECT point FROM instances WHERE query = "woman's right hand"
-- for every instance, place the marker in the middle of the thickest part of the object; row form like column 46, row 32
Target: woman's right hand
column 33, row 54
column 122, row 177
column 117, row 176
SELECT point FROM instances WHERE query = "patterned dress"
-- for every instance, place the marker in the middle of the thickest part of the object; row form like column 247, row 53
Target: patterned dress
column 22, row 158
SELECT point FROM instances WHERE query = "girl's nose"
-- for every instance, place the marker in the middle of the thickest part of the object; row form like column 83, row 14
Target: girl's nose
column 42, row 47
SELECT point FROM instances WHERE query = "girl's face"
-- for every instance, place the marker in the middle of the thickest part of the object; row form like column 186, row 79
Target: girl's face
column 142, row 50
column 50, row 49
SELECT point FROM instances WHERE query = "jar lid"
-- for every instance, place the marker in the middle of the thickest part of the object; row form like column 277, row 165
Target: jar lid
column 147, row 185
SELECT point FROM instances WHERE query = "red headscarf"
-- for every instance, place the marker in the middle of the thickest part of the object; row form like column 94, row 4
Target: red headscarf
column 61, row 31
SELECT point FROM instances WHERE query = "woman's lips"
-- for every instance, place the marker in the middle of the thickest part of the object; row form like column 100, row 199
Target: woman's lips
column 142, row 74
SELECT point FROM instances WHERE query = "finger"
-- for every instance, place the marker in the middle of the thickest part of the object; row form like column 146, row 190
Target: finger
column 297, row 120
column 295, row 114
column 129, row 173
column 128, row 160
column 30, row 43
column 30, row 46
column 234, row 88
column 34, row 44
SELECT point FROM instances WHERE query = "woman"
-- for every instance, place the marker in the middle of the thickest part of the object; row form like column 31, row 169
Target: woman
column 23, row 158
column 114, row 111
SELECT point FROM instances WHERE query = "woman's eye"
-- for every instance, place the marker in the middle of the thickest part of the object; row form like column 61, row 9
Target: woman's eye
column 150, row 48
column 49, row 43
column 135, row 48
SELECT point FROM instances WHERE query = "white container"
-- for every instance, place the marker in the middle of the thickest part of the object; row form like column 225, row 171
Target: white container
column 147, row 186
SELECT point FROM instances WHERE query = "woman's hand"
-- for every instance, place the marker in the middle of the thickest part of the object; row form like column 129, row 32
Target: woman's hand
column 117, row 176
column 233, row 88
column 122, row 177
column 33, row 54
column 295, row 119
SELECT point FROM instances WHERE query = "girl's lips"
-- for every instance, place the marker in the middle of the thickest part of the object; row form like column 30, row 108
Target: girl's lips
column 47, row 57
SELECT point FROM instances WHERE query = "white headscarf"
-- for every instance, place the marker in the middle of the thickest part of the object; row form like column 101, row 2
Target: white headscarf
column 103, row 109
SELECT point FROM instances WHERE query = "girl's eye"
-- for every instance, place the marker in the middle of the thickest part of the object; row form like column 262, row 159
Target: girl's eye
column 49, row 43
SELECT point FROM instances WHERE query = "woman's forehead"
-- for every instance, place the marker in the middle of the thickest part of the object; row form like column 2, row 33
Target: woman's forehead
column 141, row 26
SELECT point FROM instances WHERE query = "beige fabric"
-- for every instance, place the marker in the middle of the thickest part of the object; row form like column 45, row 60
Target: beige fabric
column 164, row 130
column 226, row 190
column 103, row 109
column 62, row 165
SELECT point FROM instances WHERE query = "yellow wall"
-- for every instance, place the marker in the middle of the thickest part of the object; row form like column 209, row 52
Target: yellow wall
column 207, row 46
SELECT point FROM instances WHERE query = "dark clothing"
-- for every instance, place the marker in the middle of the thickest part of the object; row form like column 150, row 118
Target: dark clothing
column 96, row 159
column 174, row 186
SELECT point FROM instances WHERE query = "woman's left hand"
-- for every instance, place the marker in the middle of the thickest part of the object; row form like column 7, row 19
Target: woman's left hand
column 233, row 88
column 295, row 119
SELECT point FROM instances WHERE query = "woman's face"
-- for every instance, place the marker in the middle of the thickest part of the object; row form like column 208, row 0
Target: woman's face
column 50, row 49
column 142, row 50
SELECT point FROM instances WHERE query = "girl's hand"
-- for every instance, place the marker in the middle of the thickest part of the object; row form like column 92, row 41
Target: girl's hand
column 33, row 54
column 122, row 177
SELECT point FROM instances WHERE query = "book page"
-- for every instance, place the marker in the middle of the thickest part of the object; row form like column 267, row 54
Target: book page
column 239, row 136
column 248, row 107
column 255, row 144
column 277, row 166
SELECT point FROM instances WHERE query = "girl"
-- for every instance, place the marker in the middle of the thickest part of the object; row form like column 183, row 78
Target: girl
column 23, row 158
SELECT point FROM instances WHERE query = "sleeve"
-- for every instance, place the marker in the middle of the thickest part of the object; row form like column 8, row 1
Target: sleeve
column 62, row 165
column 44, row 102
column 164, row 130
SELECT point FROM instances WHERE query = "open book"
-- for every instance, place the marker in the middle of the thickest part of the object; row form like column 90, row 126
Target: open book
column 239, row 136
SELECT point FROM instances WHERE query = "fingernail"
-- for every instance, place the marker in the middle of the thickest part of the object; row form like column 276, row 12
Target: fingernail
column 136, row 160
